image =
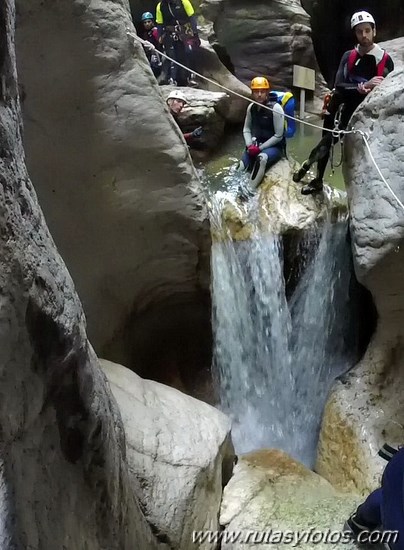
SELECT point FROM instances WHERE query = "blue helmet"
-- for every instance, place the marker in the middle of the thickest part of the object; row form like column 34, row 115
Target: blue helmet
column 147, row 15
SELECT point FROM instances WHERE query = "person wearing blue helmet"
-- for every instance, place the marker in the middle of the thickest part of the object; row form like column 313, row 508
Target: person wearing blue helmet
column 150, row 35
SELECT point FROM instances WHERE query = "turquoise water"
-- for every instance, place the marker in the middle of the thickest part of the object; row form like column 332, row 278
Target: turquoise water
column 298, row 148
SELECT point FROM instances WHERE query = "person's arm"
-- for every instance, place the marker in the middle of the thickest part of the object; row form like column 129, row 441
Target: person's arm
column 159, row 21
column 189, row 10
column 247, row 127
column 279, row 128
column 342, row 83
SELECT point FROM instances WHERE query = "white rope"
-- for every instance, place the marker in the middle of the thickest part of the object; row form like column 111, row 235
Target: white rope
column 334, row 132
column 150, row 45
column 365, row 139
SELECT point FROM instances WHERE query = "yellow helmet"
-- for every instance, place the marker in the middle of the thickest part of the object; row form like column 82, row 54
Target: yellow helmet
column 260, row 83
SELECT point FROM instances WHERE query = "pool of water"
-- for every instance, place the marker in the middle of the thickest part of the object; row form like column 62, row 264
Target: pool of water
column 298, row 148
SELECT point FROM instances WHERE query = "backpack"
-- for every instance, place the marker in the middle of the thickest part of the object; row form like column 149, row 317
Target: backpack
column 288, row 103
column 354, row 55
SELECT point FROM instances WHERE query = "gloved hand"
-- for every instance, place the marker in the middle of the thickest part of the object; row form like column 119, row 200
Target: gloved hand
column 197, row 132
column 373, row 82
column 148, row 46
column 253, row 150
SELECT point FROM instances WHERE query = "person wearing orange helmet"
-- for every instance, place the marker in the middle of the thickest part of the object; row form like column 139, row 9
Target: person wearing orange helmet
column 360, row 71
column 263, row 132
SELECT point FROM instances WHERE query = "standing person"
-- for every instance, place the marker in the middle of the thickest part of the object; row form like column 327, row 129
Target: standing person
column 263, row 133
column 383, row 510
column 360, row 71
column 150, row 35
column 178, row 32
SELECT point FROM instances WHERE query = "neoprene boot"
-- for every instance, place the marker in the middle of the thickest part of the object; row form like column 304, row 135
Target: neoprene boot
column 315, row 186
column 297, row 176
column 258, row 172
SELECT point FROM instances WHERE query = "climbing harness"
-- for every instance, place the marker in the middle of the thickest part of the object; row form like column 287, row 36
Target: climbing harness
column 202, row 77
column 334, row 132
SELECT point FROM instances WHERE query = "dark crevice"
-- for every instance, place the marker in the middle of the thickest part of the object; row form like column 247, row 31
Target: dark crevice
column 59, row 357
column 170, row 343
column 224, row 56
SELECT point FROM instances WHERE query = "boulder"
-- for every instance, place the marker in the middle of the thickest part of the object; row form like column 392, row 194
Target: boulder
column 271, row 493
column 117, row 184
column 180, row 455
column 366, row 408
column 282, row 208
column 262, row 38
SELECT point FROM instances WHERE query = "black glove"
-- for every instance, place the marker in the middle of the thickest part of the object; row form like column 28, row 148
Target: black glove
column 197, row 132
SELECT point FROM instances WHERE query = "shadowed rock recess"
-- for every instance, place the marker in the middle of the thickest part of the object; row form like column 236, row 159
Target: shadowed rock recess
column 115, row 180
column 63, row 478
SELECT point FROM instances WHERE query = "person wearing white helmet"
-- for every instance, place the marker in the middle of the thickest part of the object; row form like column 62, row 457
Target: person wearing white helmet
column 176, row 101
column 361, row 70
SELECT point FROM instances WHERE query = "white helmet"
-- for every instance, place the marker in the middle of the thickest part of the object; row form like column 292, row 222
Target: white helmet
column 361, row 17
column 177, row 94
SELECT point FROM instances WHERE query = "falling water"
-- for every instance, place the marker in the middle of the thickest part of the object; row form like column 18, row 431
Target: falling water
column 275, row 360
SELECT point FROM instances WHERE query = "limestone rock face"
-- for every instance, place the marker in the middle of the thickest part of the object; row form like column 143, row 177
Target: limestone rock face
column 281, row 206
column 63, row 475
column 395, row 49
column 271, row 492
column 377, row 219
column 366, row 408
column 210, row 66
column 111, row 167
column 262, row 37
column 364, row 411
column 180, row 454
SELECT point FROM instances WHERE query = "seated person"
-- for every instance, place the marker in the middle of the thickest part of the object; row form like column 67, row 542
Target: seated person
column 176, row 101
column 263, row 133
column 150, row 34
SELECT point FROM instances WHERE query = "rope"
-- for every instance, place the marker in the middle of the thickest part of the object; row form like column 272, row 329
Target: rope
column 365, row 139
column 150, row 45
column 334, row 132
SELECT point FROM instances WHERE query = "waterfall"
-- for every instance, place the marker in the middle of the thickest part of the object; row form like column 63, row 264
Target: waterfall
column 274, row 359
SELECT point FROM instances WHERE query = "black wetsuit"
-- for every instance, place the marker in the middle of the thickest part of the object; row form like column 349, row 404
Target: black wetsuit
column 346, row 94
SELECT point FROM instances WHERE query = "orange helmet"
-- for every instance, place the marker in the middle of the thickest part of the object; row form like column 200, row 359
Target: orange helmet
column 259, row 83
